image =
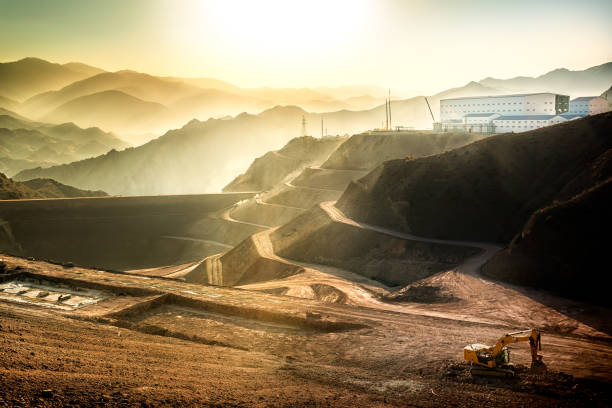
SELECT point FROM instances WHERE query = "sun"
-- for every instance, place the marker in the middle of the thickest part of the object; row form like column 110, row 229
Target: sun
column 272, row 28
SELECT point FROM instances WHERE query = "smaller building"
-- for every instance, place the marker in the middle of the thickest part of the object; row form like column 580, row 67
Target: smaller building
column 588, row 105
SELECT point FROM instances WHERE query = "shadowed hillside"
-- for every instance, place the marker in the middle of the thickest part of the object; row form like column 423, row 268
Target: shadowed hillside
column 564, row 247
column 483, row 191
column 366, row 151
column 41, row 188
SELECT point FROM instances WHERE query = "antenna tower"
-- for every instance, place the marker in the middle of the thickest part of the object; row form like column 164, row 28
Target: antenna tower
column 303, row 126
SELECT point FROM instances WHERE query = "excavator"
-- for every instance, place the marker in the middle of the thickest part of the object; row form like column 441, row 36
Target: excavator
column 495, row 361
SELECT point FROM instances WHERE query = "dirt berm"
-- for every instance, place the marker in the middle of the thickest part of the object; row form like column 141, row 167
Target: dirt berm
column 258, row 212
column 271, row 168
column 367, row 150
column 484, row 191
column 314, row 237
column 253, row 261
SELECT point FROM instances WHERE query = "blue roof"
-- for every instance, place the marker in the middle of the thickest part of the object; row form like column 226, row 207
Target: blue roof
column 480, row 115
column 571, row 115
column 526, row 117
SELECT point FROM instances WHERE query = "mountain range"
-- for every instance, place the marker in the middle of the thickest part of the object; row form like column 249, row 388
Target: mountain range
column 136, row 106
column 26, row 144
column 204, row 155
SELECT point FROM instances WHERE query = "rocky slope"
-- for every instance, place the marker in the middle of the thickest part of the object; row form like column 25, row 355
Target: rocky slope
column 367, row 150
column 271, row 168
column 564, row 247
column 484, row 191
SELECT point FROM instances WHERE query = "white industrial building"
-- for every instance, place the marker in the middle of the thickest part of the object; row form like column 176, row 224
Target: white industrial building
column 521, row 104
column 503, row 113
column 588, row 105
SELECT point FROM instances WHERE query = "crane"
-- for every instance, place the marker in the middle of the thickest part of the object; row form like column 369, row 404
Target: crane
column 432, row 116
column 495, row 361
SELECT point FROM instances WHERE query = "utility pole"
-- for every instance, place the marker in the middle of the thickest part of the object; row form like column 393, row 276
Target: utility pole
column 321, row 127
column 386, row 114
column 303, row 126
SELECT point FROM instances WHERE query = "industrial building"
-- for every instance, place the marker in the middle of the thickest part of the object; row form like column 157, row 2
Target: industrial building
column 588, row 105
column 508, row 113
column 521, row 104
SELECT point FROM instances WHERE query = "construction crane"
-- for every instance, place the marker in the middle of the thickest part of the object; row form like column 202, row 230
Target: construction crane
column 432, row 116
column 495, row 361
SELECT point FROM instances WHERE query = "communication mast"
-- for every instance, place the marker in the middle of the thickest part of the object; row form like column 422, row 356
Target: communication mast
column 390, row 125
column 321, row 126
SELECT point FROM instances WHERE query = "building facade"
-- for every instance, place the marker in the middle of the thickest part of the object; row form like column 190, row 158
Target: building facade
column 588, row 105
column 522, row 104
column 503, row 113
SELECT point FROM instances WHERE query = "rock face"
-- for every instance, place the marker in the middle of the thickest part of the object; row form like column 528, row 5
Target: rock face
column 484, row 191
column 271, row 168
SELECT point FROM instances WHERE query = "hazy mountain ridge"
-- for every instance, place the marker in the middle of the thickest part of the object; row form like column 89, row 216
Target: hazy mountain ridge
column 347, row 109
column 588, row 82
column 199, row 157
column 27, row 77
column 26, row 144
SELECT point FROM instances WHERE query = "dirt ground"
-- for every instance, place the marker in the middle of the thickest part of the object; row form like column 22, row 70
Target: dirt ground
column 161, row 342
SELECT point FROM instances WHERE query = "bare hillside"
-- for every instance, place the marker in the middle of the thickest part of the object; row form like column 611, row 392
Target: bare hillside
column 271, row 168
column 484, row 191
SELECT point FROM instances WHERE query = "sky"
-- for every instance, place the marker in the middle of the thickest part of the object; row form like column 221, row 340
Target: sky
column 414, row 47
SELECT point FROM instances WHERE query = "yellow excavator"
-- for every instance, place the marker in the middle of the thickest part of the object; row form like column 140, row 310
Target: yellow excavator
column 495, row 361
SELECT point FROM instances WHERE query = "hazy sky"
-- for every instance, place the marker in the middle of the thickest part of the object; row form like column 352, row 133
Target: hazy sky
column 414, row 47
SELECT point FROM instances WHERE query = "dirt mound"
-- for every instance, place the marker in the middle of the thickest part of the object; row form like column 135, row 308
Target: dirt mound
column 253, row 261
column 563, row 247
column 367, row 150
column 314, row 237
column 484, row 191
column 271, row 168
column 328, row 294
column 421, row 293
